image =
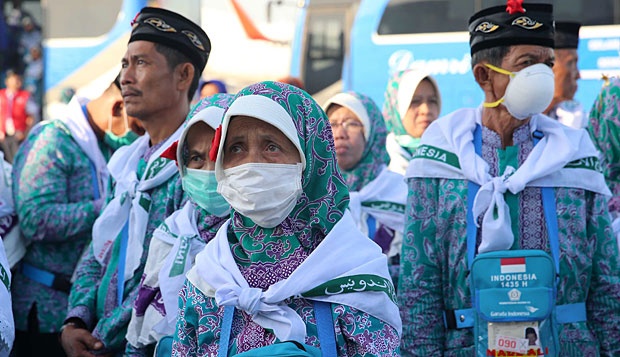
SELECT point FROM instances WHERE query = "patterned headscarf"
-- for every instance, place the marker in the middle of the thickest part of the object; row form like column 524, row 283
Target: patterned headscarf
column 398, row 94
column 604, row 130
column 268, row 255
column 375, row 156
column 208, row 224
column 219, row 100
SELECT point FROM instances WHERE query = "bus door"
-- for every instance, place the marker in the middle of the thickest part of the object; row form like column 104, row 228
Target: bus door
column 326, row 36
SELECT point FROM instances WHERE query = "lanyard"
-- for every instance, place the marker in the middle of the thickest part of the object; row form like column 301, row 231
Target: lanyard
column 549, row 207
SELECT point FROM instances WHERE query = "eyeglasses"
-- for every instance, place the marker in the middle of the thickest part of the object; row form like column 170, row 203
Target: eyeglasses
column 349, row 125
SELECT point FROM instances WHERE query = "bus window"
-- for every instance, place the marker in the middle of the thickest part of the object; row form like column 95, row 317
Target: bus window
column 424, row 16
column 588, row 12
column 325, row 49
column 61, row 23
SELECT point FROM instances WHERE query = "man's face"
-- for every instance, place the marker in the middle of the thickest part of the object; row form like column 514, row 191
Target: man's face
column 147, row 82
column 518, row 58
column 566, row 73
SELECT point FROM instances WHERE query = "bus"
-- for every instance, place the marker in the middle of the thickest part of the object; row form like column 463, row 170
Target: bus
column 331, row 45
column 392, row 35
column 83, row 47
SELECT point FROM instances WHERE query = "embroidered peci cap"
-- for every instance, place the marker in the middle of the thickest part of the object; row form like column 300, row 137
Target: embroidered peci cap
column 513, row 24
column 567, row 34
column 173, row 30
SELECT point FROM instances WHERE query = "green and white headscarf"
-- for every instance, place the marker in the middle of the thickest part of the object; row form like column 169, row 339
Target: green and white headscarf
column 398, row 94
column 267, row 255
column 375, row 155
column 604, row 131
column 258, row 269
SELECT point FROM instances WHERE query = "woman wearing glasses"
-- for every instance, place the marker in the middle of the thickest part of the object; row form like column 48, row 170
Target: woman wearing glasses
column 378, row 195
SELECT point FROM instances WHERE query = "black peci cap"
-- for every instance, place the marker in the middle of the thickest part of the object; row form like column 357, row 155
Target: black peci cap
column 514, row 24
column 567, row 34
column 173, row 30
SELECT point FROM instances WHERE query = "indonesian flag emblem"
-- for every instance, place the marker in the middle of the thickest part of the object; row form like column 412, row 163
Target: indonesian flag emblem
column 512, row 265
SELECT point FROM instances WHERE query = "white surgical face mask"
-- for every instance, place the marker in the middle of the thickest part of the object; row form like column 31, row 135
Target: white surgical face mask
column 265, row 193
column 529, row 92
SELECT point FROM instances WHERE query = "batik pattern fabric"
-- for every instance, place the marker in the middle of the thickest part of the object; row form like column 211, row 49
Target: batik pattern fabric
column 604, row 131
column 434, row 271
column 149, row 308
column 391, row 113
column 55, row 202
column 268, row 255
column 93, row 297
column 151, row 296
column 375, row 155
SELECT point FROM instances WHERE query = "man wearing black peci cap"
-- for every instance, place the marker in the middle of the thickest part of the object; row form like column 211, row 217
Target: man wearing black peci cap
column 494, row 192
column 563, row 107
column 164, row 60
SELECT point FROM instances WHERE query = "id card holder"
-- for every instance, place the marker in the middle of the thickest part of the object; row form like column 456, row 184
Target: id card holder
column 514, row 303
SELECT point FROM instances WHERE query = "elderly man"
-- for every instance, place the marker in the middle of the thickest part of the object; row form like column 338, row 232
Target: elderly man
column 500, row 198
column 161, row 68
column 563, row 107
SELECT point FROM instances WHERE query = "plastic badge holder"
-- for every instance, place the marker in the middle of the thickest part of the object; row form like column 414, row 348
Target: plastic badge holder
column 514, row 303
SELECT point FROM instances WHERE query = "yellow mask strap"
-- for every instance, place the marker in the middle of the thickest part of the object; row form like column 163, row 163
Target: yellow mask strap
column 502, row 71
column 493, row 104
column 499, row 70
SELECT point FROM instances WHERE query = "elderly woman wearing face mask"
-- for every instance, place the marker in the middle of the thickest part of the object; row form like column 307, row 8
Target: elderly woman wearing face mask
column 378, row 195
column 282, row 268
column 185, row 232
column 412, row 102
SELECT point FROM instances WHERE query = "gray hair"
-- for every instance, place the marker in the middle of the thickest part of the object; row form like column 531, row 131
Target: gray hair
column 493, row 55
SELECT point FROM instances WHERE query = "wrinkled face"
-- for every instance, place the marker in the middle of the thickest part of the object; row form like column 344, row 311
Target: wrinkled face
column 423, row 110
column 147, row 82
column 198, row 139
column 566, row 73
column 517, row 58
column 348, row 136
column 209, row 90
column 250, row 140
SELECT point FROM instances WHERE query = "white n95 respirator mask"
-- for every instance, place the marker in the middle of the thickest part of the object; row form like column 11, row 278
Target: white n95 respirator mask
column 529, row 92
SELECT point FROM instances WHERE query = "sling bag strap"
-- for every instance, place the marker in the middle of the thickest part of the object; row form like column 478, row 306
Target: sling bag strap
column 464, row 318
column 324, row 322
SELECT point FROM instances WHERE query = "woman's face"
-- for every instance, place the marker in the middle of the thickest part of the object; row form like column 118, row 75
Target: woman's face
column 423, row 110
column 250, row 140
column 348, row 136
column 198, row 141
